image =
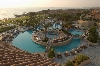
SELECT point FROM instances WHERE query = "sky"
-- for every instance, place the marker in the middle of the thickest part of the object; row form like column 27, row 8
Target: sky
column 49, row 3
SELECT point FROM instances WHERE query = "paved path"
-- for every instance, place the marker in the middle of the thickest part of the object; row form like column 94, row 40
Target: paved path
column 92, row 52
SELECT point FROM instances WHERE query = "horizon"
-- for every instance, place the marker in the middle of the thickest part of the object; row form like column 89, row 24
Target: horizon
column 50, row 7
column 49, row 3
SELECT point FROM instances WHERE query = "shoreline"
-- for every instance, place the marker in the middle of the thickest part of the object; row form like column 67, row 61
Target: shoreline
column 23, row 10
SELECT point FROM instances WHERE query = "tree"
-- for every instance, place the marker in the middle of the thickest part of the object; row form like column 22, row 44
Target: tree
column 46, row 27
column 93, row 35
column 51, row 53
column 81, row 58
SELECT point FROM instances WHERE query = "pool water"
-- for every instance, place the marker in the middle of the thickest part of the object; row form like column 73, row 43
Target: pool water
column 74, row 32
column 52, row 36
column 73, row 44
column 52, row 27
column 24, row 42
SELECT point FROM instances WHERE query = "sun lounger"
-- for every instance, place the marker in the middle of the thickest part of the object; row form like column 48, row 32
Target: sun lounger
column 59, row 55
column 66, row 54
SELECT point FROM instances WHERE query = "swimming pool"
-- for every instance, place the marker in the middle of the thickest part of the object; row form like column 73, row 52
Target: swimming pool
column 54, row 26
column 52, row 34
column 75, row 31
column 24, row 42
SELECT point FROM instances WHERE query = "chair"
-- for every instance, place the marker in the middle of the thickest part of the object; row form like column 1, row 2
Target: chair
column 66, row 54
column 59, row 55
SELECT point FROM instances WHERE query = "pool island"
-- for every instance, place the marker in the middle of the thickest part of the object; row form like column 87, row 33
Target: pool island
column 59, row 41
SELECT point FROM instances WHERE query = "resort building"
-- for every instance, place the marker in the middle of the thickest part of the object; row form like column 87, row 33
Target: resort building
column 97, row 15
column 84, row 24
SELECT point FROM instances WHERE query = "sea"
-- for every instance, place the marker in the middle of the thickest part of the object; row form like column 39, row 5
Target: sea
column 10, row 12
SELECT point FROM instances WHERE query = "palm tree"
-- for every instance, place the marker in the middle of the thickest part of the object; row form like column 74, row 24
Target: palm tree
column 46, row 26
column 62, row 18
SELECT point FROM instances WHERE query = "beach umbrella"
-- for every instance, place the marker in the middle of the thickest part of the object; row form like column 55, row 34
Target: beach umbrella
column 58, row 52
column 66, row 51
column 75, row 51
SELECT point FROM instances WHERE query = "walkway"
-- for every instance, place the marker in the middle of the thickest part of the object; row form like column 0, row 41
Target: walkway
column 92, row 52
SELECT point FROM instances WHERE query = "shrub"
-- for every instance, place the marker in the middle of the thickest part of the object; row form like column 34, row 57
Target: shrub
column 93, row 35
column 65, row 31
column 3, row 29
column 45, row 39
column 80, row 58
column 69, row 63
column 77, row 60
column 99, row 39
column 51, row 53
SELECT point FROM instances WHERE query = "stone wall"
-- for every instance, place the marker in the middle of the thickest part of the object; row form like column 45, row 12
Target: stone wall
column 92, row 44
column 85, row 62
column 62, row 43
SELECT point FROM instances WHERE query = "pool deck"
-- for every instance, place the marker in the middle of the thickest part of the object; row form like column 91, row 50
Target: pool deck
column 92, row 52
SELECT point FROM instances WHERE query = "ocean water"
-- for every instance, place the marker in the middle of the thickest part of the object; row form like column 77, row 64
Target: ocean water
column 9, row 12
